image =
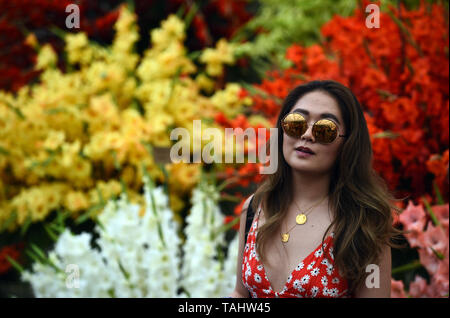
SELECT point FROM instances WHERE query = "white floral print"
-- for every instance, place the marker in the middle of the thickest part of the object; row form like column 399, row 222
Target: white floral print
column 314, row 276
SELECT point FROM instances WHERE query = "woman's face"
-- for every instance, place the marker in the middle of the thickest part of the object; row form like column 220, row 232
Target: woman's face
column 312, row 105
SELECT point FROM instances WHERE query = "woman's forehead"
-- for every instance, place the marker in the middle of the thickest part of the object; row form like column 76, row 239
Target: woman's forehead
column 318, row 105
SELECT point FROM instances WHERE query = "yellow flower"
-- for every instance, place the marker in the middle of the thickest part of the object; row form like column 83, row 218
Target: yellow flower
column 174, row 27
column 107, row 190
column 77, row 48
column 228, row 100
column 54, row 140
column 205, row 83
column 215, row 58
column 80, row 170
column 101, row 113
column 76, row 201
column 69, row 152
column 46, row 58
column 183, row 176
column 126, row 20
column 31, row 40
column 160, row 121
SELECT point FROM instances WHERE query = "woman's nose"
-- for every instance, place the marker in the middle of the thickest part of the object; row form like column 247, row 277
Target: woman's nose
column 308, row 133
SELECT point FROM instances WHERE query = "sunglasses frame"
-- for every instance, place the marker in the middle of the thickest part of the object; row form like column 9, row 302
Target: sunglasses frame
column 307, row 126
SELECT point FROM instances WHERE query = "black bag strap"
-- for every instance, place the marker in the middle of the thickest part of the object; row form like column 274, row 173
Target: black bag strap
column 250, row 215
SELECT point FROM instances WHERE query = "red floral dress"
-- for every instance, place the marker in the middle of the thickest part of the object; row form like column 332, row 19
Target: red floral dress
column 314, row 276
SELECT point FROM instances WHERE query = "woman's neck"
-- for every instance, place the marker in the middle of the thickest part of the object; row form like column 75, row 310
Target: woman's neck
column 308, row 189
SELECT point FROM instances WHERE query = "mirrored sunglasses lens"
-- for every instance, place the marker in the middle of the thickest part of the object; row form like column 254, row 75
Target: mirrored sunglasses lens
column 325, row 131
column 294, row 125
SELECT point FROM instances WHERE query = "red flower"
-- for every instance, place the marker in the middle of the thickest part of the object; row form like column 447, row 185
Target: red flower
column 13, row 251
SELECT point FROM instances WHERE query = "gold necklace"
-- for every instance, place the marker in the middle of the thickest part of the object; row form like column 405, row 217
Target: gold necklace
column 300, row 219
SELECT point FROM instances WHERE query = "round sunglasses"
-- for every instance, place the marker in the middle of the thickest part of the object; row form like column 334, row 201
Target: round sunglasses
column 325, row 131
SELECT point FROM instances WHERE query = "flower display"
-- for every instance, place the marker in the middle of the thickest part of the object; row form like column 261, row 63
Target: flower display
column 399, row 73
column 427, row 231
column 72, row 140
column 86, row 117
column 138, row 252
column 209, row 22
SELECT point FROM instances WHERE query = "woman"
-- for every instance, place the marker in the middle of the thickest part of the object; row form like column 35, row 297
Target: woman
column 323, row 221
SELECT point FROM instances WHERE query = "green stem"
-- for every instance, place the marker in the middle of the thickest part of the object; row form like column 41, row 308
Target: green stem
column 406, row 268
column 430, row 211
column 16, row 265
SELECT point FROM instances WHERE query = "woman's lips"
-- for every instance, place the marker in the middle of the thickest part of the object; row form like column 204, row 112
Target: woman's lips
column 303, row 154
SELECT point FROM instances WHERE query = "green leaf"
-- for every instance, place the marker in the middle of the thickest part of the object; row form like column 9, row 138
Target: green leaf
column 26, row 225
column 38, row 251
column 438, row 254
column 124, row 272
column 190, row 15
column 15, row 264
column 3, row 151
column 116, row 162
column 12, row 217
column 386, row 134
column 88, row 213
column 166, row 178
column 16, row 110
column 440, row 201
column 33, row 256
column 50, row 233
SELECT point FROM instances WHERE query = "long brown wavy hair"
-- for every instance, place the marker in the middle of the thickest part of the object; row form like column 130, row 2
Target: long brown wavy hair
column 361, row 202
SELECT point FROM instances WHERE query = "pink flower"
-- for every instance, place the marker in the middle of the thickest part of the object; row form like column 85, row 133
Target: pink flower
column 413, row 217
column 435, row 238
column 413, row 238
column 418, row 288
column 428, row 259
column 397, row 289
column 441, row 212
column 440, row 280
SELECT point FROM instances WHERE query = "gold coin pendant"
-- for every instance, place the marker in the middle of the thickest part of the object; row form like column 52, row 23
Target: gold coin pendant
column 300, row 219
column 284, row 237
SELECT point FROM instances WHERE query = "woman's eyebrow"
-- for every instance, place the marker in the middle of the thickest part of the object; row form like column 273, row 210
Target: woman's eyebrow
column 324, row 115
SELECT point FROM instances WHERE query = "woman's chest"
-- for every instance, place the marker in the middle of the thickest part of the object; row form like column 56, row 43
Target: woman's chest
column 303, row 247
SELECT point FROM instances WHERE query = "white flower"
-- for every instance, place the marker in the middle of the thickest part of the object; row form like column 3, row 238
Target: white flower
column 325, row 262
column 299, row 266
column 331, row 253
column 330, row 269
column 315, row 271
column 318, row 253
column 140, row 256
column 324, row 281
column 314, row 291
column 311, row 265
column 289, row 278
column 333, row 292
column 304, row 280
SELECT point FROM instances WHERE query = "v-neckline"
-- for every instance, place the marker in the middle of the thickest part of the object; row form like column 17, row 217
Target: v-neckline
column 283, row 289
